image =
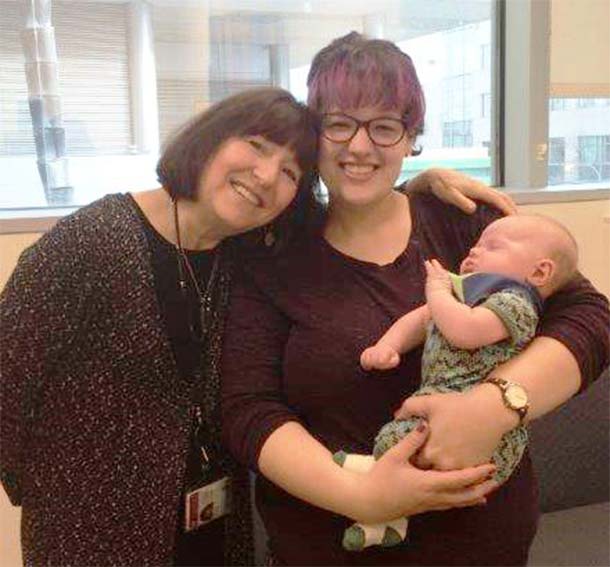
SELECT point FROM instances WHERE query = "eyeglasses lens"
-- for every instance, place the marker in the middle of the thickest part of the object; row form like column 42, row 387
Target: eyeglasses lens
column 382, row 131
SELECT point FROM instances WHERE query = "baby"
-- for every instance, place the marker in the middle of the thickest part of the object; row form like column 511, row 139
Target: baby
column 472, row 323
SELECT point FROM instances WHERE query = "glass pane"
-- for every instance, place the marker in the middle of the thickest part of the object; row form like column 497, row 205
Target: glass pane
column 579, row 149
column 455, row 67
column 126, row 75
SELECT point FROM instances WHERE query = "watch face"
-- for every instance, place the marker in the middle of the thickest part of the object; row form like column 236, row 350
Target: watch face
column 516, row 396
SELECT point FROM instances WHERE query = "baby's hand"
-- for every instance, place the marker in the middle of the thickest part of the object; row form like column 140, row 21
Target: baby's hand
column 379, row 357
column 437, row 278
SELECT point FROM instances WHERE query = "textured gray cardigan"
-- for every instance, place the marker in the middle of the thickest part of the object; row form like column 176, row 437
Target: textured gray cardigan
column 95, row 417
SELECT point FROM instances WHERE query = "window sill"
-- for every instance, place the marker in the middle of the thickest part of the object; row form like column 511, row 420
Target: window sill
column 561, row 193
column 19, row 221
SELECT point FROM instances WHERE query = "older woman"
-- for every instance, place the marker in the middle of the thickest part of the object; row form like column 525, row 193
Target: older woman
column 111, row 327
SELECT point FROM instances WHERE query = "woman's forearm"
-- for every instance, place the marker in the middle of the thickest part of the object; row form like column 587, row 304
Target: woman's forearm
column 295, row 461
column 303, row 467
column 547, row 370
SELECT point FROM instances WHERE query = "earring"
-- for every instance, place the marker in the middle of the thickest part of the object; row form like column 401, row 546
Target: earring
column 269, row 238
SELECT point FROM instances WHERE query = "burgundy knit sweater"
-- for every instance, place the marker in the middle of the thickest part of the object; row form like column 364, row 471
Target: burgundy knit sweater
column 296, row 327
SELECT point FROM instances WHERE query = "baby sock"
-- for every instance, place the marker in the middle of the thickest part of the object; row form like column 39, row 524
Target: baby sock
column 353, row 461
column 359, row 536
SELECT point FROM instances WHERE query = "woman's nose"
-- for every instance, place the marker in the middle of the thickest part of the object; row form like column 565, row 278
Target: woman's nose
column 267, row 171
column 361, row 142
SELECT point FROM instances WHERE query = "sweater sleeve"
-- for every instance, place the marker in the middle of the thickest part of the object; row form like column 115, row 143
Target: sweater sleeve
column 578, row 317
column 42, row 310
column 253, row 404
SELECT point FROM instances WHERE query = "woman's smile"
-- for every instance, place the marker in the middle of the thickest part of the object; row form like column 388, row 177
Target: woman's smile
column 246, row 192
column 355, row 170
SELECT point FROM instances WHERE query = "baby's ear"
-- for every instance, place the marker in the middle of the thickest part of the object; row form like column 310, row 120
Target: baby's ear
column 543, row 272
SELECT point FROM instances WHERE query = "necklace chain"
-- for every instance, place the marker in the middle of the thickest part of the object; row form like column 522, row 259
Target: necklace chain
column 205, row 297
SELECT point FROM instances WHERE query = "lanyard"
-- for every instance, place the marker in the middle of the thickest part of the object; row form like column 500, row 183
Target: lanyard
column 200, row 441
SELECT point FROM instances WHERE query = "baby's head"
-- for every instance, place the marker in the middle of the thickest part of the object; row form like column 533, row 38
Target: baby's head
column 532, row 248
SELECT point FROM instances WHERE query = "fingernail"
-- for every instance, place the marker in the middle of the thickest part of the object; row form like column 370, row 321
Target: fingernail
column 421, row 426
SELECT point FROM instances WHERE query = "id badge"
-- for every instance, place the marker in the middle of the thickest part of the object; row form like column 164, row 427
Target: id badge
column 207, row 503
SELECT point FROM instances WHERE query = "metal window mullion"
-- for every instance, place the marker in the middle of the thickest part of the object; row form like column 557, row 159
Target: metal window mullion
column 496, row 103
column 526, row 87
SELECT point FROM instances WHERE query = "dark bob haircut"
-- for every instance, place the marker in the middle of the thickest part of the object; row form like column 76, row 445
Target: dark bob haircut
column 354, row 71
column 269, row 112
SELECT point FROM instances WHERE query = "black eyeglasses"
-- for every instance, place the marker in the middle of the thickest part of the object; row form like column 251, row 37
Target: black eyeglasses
column 341, row 128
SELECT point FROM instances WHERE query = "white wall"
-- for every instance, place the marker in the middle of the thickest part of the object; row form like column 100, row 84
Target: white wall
column 589, row 222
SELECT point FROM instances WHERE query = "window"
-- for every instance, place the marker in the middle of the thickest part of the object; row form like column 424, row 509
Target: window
column 584, row 132
column 557, row 159
column 15, row 129
column 592, row 102
column 131, row 72
column 94, row 84
column 485, row 56
column 91, row 42
column 457, row 134
column 458, row 97
column 593, row 158
column 558, row 104
column 450, row 66
column 485, row 105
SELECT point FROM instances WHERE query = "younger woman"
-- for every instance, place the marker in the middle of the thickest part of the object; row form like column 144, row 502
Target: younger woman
column 293, row 390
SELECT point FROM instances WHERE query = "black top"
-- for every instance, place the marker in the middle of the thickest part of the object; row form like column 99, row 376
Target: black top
column 178, row 311
column 180, row 314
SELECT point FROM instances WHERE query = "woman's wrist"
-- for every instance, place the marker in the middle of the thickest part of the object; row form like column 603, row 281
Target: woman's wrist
column 355, row 501
column 505, row 418
column 359, row 499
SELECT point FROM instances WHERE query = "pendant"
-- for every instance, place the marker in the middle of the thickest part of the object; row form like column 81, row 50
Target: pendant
column 269, row 239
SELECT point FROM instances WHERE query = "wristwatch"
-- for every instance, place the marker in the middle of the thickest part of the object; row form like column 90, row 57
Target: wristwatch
column 514, row 396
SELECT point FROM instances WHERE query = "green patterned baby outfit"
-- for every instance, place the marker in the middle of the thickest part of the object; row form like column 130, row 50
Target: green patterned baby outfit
column 446, row 368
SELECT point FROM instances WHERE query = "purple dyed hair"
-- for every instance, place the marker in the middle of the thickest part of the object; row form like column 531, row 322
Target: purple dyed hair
column 354, row 71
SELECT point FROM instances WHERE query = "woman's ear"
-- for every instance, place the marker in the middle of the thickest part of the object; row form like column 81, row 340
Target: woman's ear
column 413, row 149
column 543, row 272
column 410, row 141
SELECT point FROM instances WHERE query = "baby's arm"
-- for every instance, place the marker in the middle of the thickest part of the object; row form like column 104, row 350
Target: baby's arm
column 406, row 333
column 463, row 326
